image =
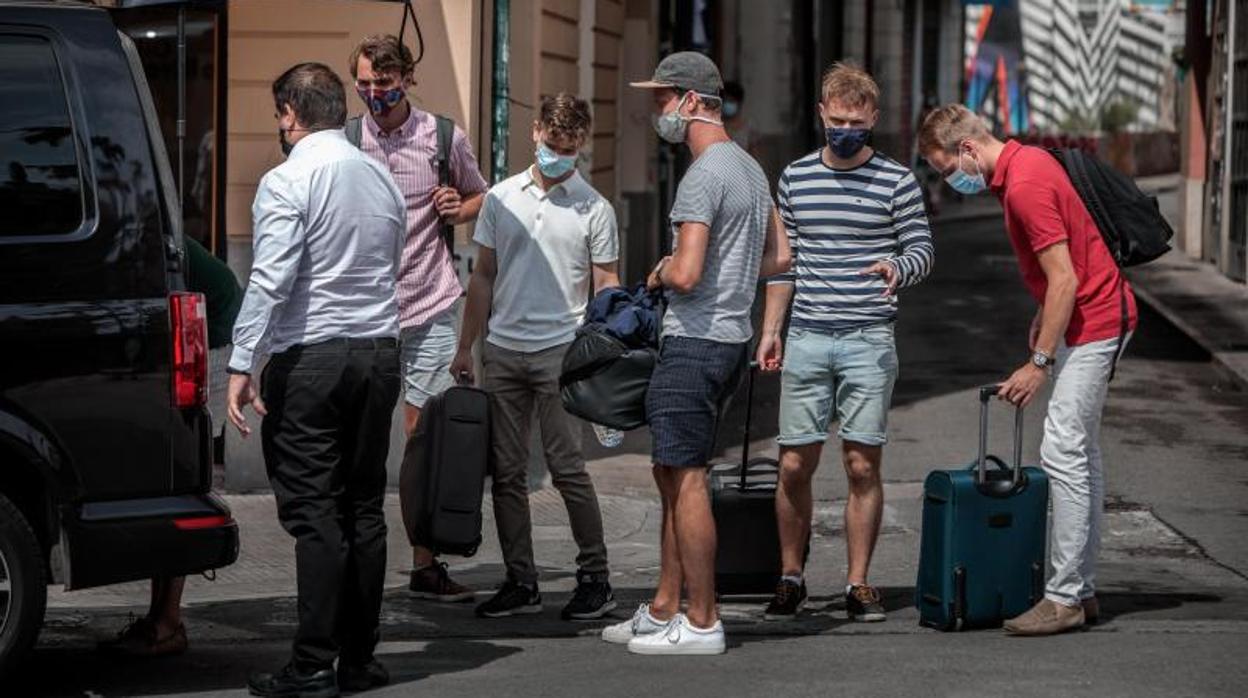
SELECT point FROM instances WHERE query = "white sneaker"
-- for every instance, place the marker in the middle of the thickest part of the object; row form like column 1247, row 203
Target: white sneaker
column 642, row 623
column 681, row 637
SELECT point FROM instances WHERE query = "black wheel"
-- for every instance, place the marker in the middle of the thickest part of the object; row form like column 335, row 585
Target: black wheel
column 23, row 588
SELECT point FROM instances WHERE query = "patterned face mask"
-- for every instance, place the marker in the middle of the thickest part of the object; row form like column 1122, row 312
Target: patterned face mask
column 381, row 102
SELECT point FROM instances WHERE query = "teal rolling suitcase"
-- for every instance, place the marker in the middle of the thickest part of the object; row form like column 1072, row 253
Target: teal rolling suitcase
column 982, row 558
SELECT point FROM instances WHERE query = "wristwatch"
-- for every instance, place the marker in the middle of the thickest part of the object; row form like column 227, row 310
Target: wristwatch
column 1041, row 359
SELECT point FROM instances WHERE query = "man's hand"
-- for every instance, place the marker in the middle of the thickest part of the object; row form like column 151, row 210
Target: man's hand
column 888, row 271
column 461, row 367
column 1020, row 388
column 653, row 281
column 770, row 354
column 239, row 395
column 448, row 203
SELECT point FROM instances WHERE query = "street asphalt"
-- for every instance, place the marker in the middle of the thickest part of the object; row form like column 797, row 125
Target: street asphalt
column 1173, row 579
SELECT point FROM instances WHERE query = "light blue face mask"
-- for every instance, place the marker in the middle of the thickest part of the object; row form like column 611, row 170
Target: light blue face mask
column 552, row 164
column 964, row 183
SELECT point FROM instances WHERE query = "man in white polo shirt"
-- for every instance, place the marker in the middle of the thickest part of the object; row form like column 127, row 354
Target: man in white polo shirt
column 544, row 235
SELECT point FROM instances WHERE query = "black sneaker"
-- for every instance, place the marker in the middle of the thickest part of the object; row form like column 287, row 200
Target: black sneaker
column 510, row 600
column 361, row 677
column 788, row 601
column 290, row 682
column 592, row 599
column 864, row 604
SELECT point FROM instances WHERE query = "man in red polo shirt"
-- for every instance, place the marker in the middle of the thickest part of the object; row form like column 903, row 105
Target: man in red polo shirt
column 1086, row 315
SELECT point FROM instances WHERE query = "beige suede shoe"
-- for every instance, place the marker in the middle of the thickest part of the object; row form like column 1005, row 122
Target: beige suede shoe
column 1046, row 618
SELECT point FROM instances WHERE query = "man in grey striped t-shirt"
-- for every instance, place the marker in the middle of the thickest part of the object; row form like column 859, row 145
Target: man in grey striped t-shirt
column 858, row 232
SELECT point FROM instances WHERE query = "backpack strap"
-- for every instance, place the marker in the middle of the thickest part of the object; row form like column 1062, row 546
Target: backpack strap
column 446, row 135
column 1126, row 324
column 354, row 130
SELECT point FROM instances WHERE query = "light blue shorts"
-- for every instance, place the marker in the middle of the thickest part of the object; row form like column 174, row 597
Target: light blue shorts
column 427, row 352
column 847, row 375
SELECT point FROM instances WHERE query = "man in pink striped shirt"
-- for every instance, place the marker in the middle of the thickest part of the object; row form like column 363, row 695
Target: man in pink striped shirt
column 404, row 139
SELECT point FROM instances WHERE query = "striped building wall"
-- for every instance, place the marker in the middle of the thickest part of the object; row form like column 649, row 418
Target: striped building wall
column 1082, row 56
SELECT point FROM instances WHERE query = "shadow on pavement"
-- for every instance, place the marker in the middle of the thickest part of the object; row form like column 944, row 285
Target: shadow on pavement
column 1117, row 604
column 210, row 667
column 423, row 639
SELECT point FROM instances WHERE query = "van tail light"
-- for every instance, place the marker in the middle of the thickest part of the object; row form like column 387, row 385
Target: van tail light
column 198, row 523
column 189, row 316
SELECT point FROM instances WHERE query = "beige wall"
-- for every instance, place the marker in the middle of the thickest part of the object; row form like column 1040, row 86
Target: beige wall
column 566, row 46
column 268, row 36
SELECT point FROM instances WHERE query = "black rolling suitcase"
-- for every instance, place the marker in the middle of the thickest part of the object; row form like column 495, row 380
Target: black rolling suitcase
column 443, row 474
column 743, row 500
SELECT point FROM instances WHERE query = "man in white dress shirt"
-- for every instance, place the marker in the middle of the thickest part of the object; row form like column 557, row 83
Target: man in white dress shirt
column 328, row 226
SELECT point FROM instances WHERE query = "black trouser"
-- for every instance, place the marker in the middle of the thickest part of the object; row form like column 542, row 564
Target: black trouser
column 326, row 438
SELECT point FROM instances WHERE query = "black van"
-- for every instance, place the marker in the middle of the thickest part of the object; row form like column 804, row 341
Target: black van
column 105, row 439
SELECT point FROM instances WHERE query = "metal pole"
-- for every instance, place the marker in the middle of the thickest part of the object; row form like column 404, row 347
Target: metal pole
column 502, row 111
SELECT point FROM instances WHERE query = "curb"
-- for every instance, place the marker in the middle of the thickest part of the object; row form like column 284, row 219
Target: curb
column 1218, row 357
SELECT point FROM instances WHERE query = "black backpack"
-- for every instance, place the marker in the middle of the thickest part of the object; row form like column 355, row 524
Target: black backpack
column 1129, row 220
column 354, row 130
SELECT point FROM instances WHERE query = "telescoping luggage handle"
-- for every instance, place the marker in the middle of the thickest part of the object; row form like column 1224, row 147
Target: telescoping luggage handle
column 986, row 393
column 749, row 413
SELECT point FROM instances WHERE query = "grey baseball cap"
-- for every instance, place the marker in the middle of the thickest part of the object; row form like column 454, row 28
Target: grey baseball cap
column 686, row 70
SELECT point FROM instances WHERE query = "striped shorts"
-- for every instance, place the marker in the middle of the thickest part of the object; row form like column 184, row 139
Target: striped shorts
column 691, row 382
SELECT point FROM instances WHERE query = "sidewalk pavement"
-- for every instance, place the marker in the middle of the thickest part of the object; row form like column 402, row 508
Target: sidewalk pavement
column 1207, row 306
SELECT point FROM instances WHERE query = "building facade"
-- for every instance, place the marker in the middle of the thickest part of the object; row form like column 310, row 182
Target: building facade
column 1079, row 57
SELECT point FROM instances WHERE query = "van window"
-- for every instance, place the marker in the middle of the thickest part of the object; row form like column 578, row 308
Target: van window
column 40, row 179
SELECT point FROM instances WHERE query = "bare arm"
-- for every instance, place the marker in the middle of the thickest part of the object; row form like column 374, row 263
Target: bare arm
column 770, row 354
column 1059, row 303
column 777, row 256
column 1059, row 298
column 469, row 208
column 606, row 275
column 683, row 271
column 480, row 297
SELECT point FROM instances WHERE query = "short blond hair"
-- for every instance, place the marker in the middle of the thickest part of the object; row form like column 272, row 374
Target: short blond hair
column 948, row 126
column 851, row 86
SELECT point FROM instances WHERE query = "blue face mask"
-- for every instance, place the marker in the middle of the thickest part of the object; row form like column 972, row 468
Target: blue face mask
column 964, row 183
column 846, row 142
column 552, row 164
column 731, row 109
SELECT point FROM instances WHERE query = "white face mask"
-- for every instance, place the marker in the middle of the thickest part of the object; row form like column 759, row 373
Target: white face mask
column 674, row 128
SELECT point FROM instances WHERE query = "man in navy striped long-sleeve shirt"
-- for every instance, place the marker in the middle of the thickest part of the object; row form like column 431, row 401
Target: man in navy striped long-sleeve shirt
column 858, row 233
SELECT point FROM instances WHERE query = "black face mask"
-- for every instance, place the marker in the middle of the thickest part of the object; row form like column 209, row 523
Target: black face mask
column 287, row 146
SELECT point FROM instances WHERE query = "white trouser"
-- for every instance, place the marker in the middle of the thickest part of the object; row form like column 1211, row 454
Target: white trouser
column 1071, row 455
